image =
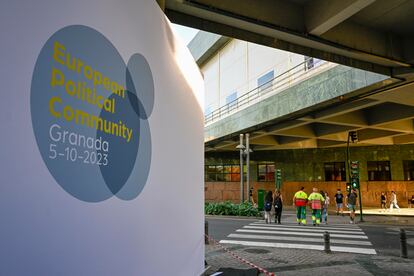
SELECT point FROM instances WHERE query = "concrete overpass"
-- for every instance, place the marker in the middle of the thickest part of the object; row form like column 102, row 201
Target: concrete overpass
column 373, row 35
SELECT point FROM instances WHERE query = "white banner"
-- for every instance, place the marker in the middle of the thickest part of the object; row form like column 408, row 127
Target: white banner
column 102, row 141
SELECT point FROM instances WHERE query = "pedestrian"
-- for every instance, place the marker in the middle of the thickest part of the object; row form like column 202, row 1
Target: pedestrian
column 278, row 204
column 351, row 203
column 325, row 208
column 251, row 197
column 383, row 201
column 393, row 201
column 299, row 201
column 339, row 199
column 412, row 201
column 316, row 200
column 268, row 206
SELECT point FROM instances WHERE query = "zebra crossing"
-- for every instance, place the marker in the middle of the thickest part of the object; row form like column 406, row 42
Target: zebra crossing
column 344, row 238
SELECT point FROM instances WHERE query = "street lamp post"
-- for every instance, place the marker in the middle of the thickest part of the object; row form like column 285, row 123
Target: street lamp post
column 248, row 166
column 241, row 147
column 244, row 152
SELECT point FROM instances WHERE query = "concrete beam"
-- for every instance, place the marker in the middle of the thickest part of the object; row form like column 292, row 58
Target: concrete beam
column 355, row 118
column 371, row 134
column 328, row 143
column 264, row 140
column 388, row 112
column 301, row 131
column 280, row 24
column 326, row 129
column 289, row 139
column 323, row 15
column 404, row 139
column 402, row 126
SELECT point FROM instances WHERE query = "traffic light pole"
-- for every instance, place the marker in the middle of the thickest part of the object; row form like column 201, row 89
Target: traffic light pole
column 348, row 161
column 361, row 219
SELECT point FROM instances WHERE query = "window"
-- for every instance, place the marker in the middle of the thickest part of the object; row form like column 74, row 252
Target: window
column 264, row 81
column 231, row 99
column 379, row 170
column 223, row 173
column 335, row 171
column 208, row 111
column 266, row 172
column 408, row 166
column 309, row 63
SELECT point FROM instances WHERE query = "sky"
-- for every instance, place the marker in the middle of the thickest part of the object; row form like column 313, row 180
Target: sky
column 185, row 33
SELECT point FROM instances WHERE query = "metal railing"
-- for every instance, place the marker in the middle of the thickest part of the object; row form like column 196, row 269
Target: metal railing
column 281, row 82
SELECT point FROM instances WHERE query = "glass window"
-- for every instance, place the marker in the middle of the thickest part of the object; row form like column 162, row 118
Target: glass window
column 208, row 110
column 408, row 166
column 230, row 98
column 379, row 170
column 335, row 171
column 223, row 173
column 265, row 81
column 266, row 172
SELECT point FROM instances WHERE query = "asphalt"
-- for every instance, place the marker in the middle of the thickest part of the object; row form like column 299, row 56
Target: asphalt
column 382, row 232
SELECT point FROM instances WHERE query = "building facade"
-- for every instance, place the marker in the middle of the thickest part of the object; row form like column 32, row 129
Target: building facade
column 248, row 85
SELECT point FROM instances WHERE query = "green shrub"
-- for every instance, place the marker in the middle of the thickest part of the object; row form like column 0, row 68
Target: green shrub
column 230, row 209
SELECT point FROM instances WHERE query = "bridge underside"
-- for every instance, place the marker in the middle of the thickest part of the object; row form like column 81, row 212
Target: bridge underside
column 373, row 35
column 385, row 118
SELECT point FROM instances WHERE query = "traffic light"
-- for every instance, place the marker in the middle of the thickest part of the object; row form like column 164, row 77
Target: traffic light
column 354, row 136
column 355, row 184
column 278, row 178
column 355, row 175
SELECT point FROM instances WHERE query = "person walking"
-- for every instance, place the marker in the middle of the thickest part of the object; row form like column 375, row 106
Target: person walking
column 316, row 200
column 383, row 201
column 411, row 201
column 299, row 201
column 278, row 204
column 251, row 197
column 268, row 206
column 325, row 208
column 351, row 203
column 393, row 201
column 339, row 199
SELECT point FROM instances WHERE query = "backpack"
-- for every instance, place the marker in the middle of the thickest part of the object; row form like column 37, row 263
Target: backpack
column 278, row 202
column 268, row 206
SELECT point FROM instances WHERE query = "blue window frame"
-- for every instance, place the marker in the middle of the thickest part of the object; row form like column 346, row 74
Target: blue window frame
column 231, row 97
column 208, row 110
column 264, row 81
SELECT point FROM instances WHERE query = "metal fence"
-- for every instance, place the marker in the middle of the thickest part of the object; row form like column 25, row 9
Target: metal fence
column 279, row 83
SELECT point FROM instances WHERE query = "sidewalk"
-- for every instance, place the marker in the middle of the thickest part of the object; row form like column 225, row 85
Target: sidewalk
column 286, row 262
column 409, row 212
column 290, row 261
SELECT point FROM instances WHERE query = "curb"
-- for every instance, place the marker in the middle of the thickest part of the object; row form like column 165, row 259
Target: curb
column 231, row 217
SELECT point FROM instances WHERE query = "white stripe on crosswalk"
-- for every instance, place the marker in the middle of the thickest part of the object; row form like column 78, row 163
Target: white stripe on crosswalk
column 301, row 233
column 302, row 246
column 356, row 228
column 298, row 239
column 304, row 229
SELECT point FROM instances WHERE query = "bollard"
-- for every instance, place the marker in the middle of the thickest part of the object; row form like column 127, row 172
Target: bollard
column 206, row 232
column 403, row 243
column 327, row 242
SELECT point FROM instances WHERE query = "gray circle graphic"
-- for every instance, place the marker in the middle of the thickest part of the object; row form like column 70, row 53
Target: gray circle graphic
column 88, row 118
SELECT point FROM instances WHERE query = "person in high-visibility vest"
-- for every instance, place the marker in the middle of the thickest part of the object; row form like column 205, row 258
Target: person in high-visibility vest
column 299, row 200
column 315, row 201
